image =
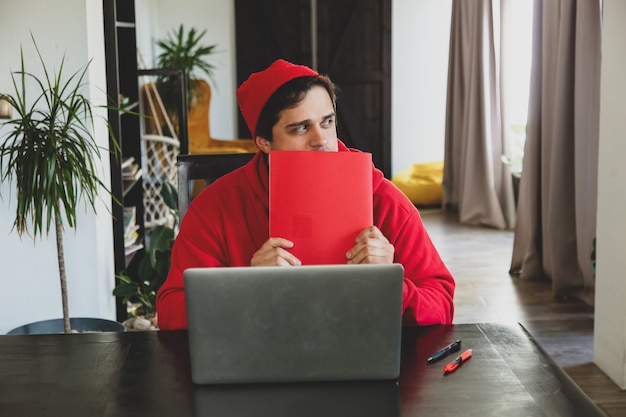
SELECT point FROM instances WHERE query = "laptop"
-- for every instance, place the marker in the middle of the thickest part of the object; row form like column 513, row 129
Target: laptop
column 294, row 324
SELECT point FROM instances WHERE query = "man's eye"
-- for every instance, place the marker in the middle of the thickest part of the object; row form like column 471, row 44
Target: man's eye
column 329, row 121
column 300, row 128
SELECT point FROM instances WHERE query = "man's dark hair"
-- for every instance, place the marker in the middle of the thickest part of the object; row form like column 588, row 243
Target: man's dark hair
column 288, row 96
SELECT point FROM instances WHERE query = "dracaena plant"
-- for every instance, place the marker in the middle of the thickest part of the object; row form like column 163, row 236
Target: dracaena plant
column 50, row 154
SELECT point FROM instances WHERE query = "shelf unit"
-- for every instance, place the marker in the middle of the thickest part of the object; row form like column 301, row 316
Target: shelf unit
column 183, row 82
column 123, row 93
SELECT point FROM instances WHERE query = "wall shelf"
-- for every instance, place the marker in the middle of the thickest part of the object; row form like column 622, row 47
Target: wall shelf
column 126, row 166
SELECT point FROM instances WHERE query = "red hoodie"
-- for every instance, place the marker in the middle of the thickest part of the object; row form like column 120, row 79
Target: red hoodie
column 229, row 221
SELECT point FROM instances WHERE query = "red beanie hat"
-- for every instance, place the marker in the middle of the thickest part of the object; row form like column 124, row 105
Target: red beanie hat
column 259, row 87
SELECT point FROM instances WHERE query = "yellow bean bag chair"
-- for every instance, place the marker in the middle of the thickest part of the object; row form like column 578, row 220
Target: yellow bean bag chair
column 422, row 183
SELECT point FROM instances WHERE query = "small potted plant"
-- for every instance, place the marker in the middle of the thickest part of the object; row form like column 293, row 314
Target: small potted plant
column 51, row 155
column 140, row 291
column 184, row 49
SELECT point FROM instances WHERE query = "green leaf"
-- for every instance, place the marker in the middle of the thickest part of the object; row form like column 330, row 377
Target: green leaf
column 161, row 239
column 156, row 283
column 126, row 290
column 162, row 265
column 169, row 193
column 145, row 271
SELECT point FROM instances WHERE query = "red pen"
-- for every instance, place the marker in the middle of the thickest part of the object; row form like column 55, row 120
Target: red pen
column 460, row 360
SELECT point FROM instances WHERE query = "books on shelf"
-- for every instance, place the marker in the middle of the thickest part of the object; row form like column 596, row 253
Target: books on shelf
column 130, row 170
column 130, row 219
column 131, row 173
column 127, row 162
column 131, row 231
column 129, row 250
column 131, row 236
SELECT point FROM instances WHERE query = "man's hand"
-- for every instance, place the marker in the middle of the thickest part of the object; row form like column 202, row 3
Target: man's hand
column 371, row 247
column 274, row 253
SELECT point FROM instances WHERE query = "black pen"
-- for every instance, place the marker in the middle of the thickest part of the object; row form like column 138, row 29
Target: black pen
column 452, row 347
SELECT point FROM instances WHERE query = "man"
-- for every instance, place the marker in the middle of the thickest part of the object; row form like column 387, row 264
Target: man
column 292, row 107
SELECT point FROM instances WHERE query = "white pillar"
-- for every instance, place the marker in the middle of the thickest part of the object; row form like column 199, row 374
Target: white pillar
column 30, row 274
column 610, row 306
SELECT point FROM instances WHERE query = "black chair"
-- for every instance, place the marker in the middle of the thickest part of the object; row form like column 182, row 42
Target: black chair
column 207, row 167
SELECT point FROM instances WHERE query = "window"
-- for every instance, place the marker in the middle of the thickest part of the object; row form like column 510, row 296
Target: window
column 517, row 79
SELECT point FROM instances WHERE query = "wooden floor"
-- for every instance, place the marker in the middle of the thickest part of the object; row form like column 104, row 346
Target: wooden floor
column 479, row 258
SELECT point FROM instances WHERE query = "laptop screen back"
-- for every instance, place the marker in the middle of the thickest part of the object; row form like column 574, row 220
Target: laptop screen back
column 286, row 324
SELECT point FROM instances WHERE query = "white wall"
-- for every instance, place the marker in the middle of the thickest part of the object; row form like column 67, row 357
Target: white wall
column 29, row 278
column 610, row 306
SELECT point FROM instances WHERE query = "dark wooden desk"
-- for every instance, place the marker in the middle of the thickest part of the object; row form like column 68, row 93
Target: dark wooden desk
column 147, row 374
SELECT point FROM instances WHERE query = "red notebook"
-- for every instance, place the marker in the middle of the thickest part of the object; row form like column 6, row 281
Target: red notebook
column 321, row 201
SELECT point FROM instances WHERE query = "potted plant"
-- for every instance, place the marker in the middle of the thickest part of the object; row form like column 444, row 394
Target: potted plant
column 50, row 154
column 140, row 292
column 183, row 49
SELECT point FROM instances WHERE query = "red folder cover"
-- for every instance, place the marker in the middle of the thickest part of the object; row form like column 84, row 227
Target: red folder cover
column 321, row 201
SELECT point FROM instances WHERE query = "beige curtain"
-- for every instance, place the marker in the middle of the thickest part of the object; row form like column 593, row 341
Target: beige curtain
column 476, row 184
column 556, row 214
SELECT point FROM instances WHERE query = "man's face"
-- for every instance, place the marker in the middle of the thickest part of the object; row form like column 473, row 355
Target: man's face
column 310, row 126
